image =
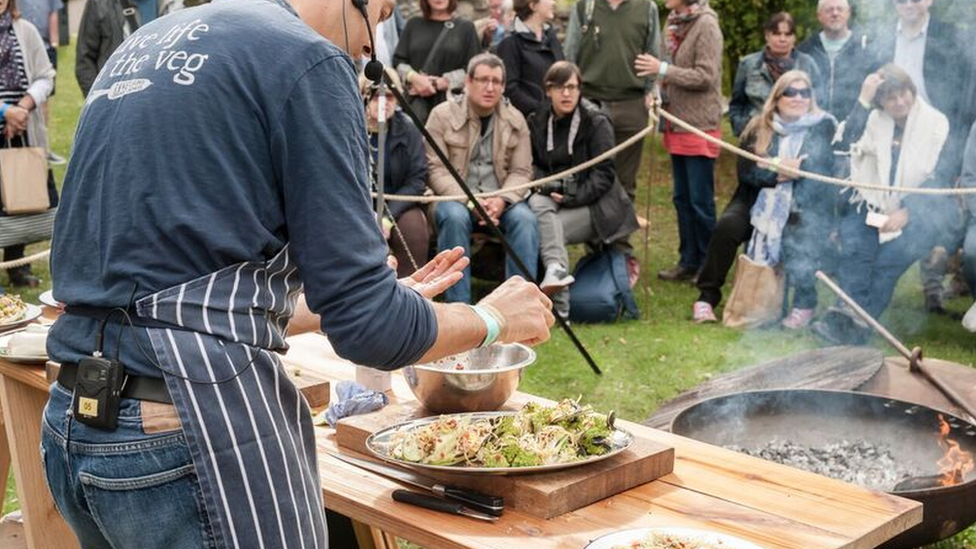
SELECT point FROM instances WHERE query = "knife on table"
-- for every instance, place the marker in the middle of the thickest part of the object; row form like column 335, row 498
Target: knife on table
column 439, row 504
column 477, row 501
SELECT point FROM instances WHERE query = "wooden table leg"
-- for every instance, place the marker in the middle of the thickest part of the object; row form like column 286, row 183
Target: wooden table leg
column 23, row 407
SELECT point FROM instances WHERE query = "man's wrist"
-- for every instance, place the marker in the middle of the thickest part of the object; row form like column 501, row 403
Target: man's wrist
column 492, row 327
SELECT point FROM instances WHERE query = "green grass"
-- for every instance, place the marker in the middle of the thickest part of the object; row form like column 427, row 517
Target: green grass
column 645, row 362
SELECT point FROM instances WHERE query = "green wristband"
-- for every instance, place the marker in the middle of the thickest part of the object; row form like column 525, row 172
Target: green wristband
column 494, row 330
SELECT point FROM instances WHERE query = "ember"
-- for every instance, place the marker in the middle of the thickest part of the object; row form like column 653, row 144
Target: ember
column 956, row 463
column 859, row 462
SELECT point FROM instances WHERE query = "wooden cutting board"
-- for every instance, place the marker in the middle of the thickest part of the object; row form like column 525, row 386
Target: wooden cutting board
column 544, row 495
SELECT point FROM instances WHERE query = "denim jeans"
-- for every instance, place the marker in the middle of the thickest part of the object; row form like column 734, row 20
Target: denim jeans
column 122, row 489
column 454, row 225
column 969, row 257
column 694, row 200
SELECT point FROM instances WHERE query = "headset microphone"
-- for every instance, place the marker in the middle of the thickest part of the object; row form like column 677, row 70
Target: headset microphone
column 374, row 68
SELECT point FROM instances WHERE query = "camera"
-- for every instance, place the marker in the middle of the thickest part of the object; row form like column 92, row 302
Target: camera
column 566, row 186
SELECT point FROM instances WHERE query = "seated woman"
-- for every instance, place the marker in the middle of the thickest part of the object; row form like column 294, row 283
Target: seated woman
column 895, row 139
column 590, row 206
column 405, row 173
column 784, row 217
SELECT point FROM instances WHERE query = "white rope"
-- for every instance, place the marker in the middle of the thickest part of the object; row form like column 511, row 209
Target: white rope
column 25, row 260
column 655, row 113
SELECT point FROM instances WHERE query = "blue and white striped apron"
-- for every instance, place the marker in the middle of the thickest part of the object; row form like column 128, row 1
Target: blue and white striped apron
column 251, row 436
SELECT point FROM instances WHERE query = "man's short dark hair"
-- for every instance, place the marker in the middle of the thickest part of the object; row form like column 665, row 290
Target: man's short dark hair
column 489, row 60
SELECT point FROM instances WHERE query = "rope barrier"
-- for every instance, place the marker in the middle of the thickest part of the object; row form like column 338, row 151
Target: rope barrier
column 25, row 260
column 655, row 114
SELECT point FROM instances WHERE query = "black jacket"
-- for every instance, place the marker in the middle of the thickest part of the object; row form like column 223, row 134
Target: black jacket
column 526, row 62
column 843, row 77
column 406, row 164
column 813, row 199
column 598, row 187
column 99, row 34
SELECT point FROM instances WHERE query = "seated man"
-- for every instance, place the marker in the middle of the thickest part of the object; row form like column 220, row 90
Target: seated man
column 487, row 142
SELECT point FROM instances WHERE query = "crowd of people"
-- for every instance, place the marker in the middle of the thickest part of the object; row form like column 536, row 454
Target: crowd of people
column 509, row 102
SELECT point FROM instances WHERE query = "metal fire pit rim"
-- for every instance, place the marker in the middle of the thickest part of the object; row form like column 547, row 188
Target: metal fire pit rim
column 943, row 490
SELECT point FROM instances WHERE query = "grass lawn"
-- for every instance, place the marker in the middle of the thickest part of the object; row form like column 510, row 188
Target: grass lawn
column 649, row 361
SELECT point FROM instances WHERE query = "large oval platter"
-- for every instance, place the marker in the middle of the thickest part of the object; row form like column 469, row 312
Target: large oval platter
column 625, row 538
column 381, row 444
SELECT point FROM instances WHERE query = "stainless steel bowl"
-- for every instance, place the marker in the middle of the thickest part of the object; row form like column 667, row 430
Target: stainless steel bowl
column 480, row 380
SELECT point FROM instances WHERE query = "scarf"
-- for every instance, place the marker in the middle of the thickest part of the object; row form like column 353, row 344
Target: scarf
column 777, row 65
column 677, row 26
column 9, row 71
column 773, row 205
column 573, row 130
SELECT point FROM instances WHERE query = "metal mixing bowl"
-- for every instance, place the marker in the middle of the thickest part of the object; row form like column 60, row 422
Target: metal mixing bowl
column 480, row 380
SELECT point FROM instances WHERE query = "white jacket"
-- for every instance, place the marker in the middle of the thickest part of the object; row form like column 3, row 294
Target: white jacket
column 40, row 77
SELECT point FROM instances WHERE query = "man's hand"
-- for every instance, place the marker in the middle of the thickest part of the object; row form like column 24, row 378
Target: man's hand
column 526, row 310
column 494, row 207
column 647, row 65
column 442, row 272
column 896, row 221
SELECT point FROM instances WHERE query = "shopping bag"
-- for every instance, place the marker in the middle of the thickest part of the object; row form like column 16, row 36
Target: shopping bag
column 23, row 180
column 757, row 295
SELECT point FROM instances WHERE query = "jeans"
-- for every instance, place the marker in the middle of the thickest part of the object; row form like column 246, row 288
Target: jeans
column 969, row 257
column 122, row 489
column 694, row 200
column 455, row 224
column 869, row 271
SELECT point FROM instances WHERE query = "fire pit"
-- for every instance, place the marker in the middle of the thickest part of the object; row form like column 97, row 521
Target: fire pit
column 913, row 451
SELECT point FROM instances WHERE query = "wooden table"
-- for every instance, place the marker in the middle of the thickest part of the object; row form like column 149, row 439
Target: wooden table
column 772, row 505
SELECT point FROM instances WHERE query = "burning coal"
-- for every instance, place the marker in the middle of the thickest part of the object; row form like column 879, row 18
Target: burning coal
column 956, row 463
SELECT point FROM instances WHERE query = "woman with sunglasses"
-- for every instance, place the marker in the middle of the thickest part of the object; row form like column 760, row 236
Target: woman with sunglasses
column 758, row 71
column 405, row 172
column 784, row 218
column 895, row 139
column 590, row 206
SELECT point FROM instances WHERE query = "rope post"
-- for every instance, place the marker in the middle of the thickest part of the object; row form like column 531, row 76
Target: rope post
column 653, row 117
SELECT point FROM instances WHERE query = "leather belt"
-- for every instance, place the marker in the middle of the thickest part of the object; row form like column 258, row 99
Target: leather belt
column 135, row 387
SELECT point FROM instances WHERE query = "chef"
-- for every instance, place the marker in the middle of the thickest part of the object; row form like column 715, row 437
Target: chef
column 219, row 169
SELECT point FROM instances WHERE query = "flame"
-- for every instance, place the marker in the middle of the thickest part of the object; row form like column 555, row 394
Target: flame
column 956, row 463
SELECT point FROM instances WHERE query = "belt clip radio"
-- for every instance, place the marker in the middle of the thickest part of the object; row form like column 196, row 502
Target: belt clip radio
column 98, row 388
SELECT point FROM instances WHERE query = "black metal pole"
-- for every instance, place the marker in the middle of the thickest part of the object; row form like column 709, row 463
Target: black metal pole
column 497, row 232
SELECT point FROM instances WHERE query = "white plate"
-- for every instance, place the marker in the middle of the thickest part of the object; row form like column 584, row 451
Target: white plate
column 47, row 298
column 20, row 359
column 623, row 537
column 32, row 312
column 381, row 443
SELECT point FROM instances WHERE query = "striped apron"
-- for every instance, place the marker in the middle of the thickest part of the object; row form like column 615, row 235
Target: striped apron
column 250, row 433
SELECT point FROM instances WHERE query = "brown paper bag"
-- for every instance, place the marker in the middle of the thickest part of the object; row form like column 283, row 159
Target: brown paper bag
column 23, row 180
column 757, row 295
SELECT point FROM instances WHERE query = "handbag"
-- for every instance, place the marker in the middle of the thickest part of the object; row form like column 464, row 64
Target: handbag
column 757, row 295
column 23, row 179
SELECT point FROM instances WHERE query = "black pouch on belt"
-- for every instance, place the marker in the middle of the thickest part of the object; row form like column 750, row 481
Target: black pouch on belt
column 98, row 392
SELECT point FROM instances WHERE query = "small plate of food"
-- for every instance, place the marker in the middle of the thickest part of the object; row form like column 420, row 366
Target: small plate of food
column 14, row 312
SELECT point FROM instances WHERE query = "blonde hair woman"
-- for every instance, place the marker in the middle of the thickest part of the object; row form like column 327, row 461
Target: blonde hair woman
column 786, row 220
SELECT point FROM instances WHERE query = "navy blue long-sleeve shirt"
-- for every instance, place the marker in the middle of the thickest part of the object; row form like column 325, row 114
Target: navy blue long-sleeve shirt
column 218, row 135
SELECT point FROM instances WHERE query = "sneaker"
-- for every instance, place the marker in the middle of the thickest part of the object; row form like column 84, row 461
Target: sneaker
column 56, row 159
column 798, row 318
column 702, row 312
column 969, row 321
column 677, row 273
column 557, row 278
column 633, row 270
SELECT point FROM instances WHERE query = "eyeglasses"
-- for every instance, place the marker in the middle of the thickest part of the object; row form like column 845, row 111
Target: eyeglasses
column 570, row 88
column 487, row 80
column 805, row 93
column 903, row 2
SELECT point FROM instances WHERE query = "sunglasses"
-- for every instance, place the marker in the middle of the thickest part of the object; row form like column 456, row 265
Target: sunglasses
column 805, row 93
column 903, row 2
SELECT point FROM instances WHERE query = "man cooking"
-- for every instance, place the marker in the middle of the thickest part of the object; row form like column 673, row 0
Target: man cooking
column 213, row 178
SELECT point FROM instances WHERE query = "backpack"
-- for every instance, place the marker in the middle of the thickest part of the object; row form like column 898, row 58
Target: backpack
column 601, row 292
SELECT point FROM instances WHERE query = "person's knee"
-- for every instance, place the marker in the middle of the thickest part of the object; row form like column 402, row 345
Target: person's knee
column 519, row 217
column 540, row 204
column 452, row 214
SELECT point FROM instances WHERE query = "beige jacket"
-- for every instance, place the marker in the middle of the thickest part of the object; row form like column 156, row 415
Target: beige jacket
column 456, row 128
column 40, row 78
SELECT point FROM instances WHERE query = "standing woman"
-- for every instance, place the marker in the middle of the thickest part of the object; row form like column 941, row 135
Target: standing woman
column 433, row 53
column 26, row 80
column 758, row 71
column 405, row 173
column 692, row 90
column 528, row 52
